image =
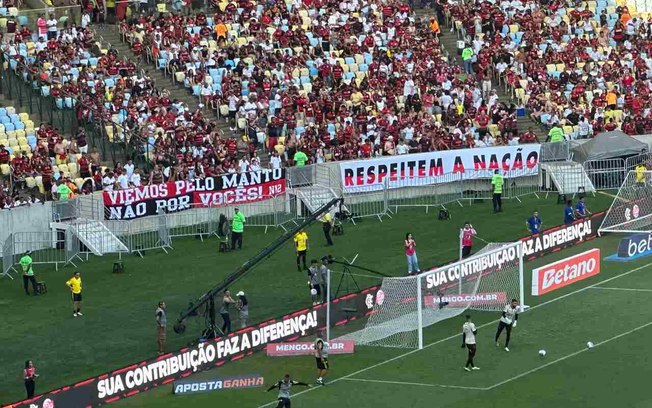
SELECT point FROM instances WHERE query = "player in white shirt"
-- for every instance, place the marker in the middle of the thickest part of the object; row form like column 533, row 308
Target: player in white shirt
column 468, row 341
column 507, row 322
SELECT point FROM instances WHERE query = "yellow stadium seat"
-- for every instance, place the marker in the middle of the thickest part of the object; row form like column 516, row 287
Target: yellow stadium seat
column 11, row 134
column 568, row 130
column 493, row 130
column 13, row 143
column 4, row 169
column 11, row 110
column 359, row 59
column 73, row 169
column 79, row 182
column 4, row 142
column 513, row 28
column 31, row 183
column 24, row 117
column 179, row 76
column 20, row 134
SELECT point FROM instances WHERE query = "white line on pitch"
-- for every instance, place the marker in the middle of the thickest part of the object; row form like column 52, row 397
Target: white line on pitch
column 569, row 356
column 414, row 384
column 409, row 353
column 625, row 289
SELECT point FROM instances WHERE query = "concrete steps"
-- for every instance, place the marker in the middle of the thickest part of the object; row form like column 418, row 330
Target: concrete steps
column 177, row 91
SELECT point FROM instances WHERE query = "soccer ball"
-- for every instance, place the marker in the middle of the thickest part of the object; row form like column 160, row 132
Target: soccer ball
column 313, row 292
column 589, row 345
column 542, row 353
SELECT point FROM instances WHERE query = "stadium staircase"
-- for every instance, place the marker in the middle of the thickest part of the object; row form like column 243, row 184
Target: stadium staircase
column 110, row 34
column 568, row 178
column 96, row 237
column 449, row 44
column 314, row 197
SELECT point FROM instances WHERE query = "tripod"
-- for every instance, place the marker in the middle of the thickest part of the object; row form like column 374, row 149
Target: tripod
column 350, row 278
column 346, row 272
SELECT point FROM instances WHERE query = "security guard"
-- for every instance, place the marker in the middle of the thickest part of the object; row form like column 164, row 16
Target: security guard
column 497, row 182
column 28, row 272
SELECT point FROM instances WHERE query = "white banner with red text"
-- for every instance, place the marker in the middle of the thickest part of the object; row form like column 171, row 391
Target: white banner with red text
column 565, row 272
column 439, row 167
column 175, row 196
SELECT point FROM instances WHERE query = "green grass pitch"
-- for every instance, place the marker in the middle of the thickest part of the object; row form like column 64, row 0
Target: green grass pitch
column 118, row 326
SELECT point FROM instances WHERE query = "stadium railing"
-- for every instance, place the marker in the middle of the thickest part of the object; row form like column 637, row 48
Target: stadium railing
column 643, row 158
column 606, row 174
column 63, row 14
column 57, row 247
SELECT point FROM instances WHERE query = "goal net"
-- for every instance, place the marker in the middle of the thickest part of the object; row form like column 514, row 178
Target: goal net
column 631, row 210
column 406, row 305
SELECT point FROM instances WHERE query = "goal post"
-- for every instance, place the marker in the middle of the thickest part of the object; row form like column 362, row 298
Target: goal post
column 404, row 306
column 631, row 209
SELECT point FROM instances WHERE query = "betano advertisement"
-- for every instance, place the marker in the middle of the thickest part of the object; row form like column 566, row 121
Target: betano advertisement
column 439, row 167
column 175, row 196
column 139, row 377
column 565, row 272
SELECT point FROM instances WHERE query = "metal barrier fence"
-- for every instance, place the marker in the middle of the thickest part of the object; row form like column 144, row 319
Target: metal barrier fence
column 632, row 162
column 367, row 202
column 55, row 247
column 8, row 256
column 65, row 210
column 606, row 174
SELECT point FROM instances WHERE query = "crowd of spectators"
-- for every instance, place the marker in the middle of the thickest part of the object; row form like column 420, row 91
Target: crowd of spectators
column 336, row 80
column 583, row 66
column 340, row 80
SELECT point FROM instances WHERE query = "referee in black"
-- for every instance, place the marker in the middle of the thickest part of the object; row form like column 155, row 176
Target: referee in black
column 327, row 226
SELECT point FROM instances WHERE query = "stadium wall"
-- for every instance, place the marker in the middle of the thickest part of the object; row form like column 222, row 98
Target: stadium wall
column 35, row 218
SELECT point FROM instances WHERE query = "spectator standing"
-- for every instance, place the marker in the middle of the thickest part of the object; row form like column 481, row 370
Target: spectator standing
column 237, row 228
column 300, row 158
column 497, row 182
column 161, row 324
column 28, row 273
column 75, row 285
column 556, row 134
column 411, row 254
column 275, row 161
column 467, row 58
column 29, row 374
column 243, row 307
column 10, row 33
column 534, row 223
column 64, row 192
column 301, row 246
column 327, row 225
column 227, row 301
column 569, row 212
column 52, row 28
column 42, row 25
column 468, row 232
